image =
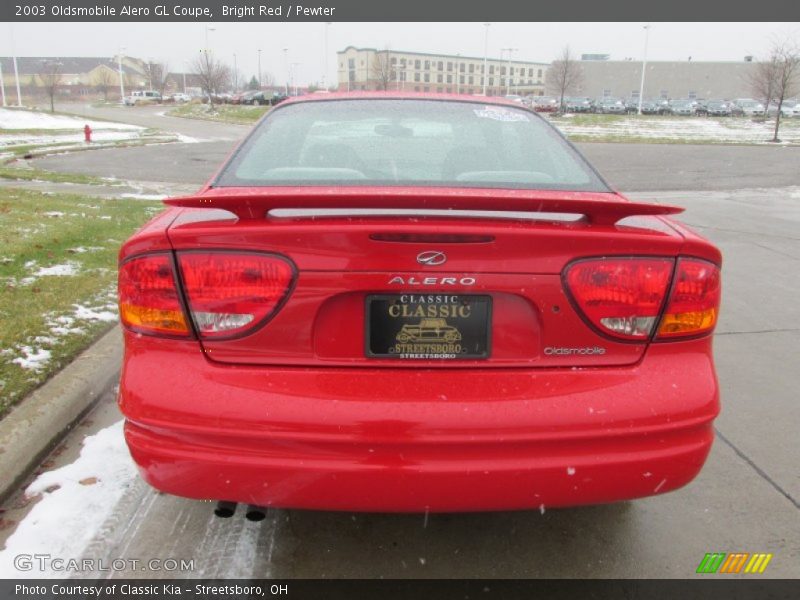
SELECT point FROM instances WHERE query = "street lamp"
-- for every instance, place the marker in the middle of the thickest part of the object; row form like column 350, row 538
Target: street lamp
column 485, row 53
column 259, row 68
column 644, row 65
column 121, row 76
column 508, row 68
column 2, row 84
column 185, row 66
column 286, row 67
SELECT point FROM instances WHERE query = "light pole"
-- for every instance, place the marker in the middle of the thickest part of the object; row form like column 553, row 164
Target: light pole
column 2, row 84
column 185, row 66
column 207, row 52
column 325, row 56
column 235, row 75
column 259, row 69
column 485, row 53
column 16, row 70
column 122, row 77
column 508, row 68
column 286, row 67
column 294, row 76
column 644, row 65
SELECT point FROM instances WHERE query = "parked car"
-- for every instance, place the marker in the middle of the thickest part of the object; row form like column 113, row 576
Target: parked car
column 277, row 98
column 264, row 361
column 142, row 97
column 688, row 108
column 180, row 98
column 789, row 108
column 579, row 105
column 650, row 107
column 750, row 107
column 718, row 108
column 611, row 106
column 242, row 97
column 545, row 104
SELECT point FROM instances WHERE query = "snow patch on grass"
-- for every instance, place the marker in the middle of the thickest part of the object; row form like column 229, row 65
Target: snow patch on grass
column 32, row 359
column 30, row 119
column 82, row 496
column 64, row 270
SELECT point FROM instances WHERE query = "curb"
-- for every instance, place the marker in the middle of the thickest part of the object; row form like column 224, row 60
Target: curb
column 37, row 425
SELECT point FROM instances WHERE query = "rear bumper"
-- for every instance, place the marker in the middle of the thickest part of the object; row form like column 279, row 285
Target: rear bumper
column 402, row 440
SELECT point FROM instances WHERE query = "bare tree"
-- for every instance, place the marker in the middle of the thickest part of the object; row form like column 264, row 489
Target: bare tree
column 786, row 56
column 212, row 74
column 564, row 75
column 267, row 79
column 50, row 76
column 159, row 76
column 381, row 70
column 762, row 80
column 104, row 80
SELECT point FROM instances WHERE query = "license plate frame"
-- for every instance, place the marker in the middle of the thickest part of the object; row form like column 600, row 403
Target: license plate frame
column 443, row 332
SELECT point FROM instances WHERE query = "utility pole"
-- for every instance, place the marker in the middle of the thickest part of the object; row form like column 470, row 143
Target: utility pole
column 508, row 68
column 259, row 68
column 485, row 54
column 644, row 66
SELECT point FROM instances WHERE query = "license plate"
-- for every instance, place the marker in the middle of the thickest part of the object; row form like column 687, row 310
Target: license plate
column 428, row 326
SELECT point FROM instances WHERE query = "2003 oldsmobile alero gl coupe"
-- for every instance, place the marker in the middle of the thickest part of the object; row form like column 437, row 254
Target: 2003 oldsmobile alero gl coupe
column 395, row 302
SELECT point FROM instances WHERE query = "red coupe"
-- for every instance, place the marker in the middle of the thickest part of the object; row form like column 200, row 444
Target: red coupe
column 396, row 302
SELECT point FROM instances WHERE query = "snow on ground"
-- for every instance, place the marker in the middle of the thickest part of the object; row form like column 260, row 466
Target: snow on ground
column 30, row 119
column 75, row 501
column 32, row 359
column 723, row 130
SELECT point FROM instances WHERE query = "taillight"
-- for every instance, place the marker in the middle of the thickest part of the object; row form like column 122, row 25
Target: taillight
column 693, row 306
column 621, row 297
column 148, row 297
column 230, row 293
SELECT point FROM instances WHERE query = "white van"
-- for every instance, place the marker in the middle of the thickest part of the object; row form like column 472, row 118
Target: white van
column 142, row 97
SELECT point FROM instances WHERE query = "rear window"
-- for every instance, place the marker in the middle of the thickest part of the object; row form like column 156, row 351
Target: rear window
column 407, row 143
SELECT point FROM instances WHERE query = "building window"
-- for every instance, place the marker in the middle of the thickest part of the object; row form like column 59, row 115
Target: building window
column 491, row 69
column 530, row 72
column 471, row 68
column 449, row 79
column 403, row 62
column 427, row 65
column 539, row 76
column 606, row 93
column 439, row 78
column 664, row 94
column 416, row 77
column 461, row 79
column 441, row 65
column 461, row 68
column 394, row 60
column 449, row 66
column 427, row 77
column 471, row 80
column 692, row 95
column 634, row 94
column 416, row 64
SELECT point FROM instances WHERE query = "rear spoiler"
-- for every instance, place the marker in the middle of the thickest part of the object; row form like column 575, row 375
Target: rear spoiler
column 254, row 203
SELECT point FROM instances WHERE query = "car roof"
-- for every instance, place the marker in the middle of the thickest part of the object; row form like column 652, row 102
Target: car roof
column 496, row 100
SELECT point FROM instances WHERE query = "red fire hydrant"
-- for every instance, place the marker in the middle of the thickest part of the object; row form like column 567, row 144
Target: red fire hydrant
column 87, row 134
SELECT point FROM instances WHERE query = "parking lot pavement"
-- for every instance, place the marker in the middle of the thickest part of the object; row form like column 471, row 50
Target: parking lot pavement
column 745, row 499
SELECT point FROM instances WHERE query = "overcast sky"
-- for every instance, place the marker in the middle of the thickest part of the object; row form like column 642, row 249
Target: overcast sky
column 179, row 42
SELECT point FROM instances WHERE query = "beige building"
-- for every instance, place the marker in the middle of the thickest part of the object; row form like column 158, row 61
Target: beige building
column 665, row 79
column 372, row 69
